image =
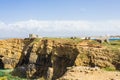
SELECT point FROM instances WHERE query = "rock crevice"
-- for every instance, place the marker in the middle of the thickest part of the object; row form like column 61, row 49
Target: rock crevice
column 49, row 59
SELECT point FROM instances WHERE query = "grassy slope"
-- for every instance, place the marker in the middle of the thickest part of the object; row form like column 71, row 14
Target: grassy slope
column 113, row 45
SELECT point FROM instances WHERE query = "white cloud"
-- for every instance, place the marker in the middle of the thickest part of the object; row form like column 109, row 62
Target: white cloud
column 59, row 28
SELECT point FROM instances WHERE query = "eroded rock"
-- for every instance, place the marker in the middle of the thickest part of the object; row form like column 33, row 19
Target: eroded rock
column 51, row 58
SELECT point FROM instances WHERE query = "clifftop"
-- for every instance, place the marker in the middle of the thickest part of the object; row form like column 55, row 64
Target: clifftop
column 38, row 55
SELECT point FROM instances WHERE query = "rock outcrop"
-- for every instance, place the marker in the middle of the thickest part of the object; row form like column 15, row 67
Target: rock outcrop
column 50, row 58
column 10, row 52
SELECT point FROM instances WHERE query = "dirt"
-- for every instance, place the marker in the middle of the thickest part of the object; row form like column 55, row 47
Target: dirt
column 86, row 73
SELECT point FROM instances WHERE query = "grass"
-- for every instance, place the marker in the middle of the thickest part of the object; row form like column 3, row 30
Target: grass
column 109, row 69
column 5, row 75
column 93, row 43
column 66, row 40
column 37, row 39
column 113, row 45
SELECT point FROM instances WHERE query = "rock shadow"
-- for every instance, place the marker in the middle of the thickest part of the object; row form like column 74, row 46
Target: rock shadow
column 60, row 64
column 24, row 59
column 1, row 64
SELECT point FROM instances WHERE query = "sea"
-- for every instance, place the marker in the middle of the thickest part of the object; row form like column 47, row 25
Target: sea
column 112, row 39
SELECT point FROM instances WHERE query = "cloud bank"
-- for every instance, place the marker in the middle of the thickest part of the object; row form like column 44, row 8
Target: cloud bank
column 60, row 28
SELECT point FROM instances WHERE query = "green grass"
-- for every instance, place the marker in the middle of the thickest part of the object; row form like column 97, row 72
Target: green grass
column 5, row 75
column 113, row 45
column 66, row 40
column 37, row 39
column 109, row 69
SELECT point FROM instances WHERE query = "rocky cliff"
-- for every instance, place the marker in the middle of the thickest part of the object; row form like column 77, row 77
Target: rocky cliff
column 49, row 58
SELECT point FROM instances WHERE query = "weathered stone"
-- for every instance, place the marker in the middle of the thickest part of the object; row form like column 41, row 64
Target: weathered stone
column 51, row 58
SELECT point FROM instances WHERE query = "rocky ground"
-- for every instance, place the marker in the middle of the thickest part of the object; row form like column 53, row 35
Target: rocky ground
column 52, row 58
column 87, row 73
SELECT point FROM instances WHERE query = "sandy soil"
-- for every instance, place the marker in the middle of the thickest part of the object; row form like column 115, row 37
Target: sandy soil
column 90, row 74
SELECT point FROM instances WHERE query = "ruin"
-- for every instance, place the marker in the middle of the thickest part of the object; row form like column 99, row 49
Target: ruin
column 103, row 39
column 33, row 36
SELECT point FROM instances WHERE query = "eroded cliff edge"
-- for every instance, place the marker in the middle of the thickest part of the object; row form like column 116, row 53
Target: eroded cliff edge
column 50, row 58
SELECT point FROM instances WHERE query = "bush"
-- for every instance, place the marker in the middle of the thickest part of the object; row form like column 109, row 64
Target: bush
column 109, row 68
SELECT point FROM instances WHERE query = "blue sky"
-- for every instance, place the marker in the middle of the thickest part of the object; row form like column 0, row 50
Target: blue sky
column 17, row 10
column 96, row 13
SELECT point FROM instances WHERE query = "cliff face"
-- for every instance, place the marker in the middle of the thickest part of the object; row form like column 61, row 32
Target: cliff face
column 49, row 58
column 10, row 52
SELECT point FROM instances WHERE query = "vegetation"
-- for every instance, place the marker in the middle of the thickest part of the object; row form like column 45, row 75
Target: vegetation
column 36, row 40
column 93, row 43
column 71, row 40
column 5, row 75
column 109, row 69
column 113, row 45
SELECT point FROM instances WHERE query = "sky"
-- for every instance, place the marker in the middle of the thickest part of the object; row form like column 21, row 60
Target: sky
column 56, row 18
